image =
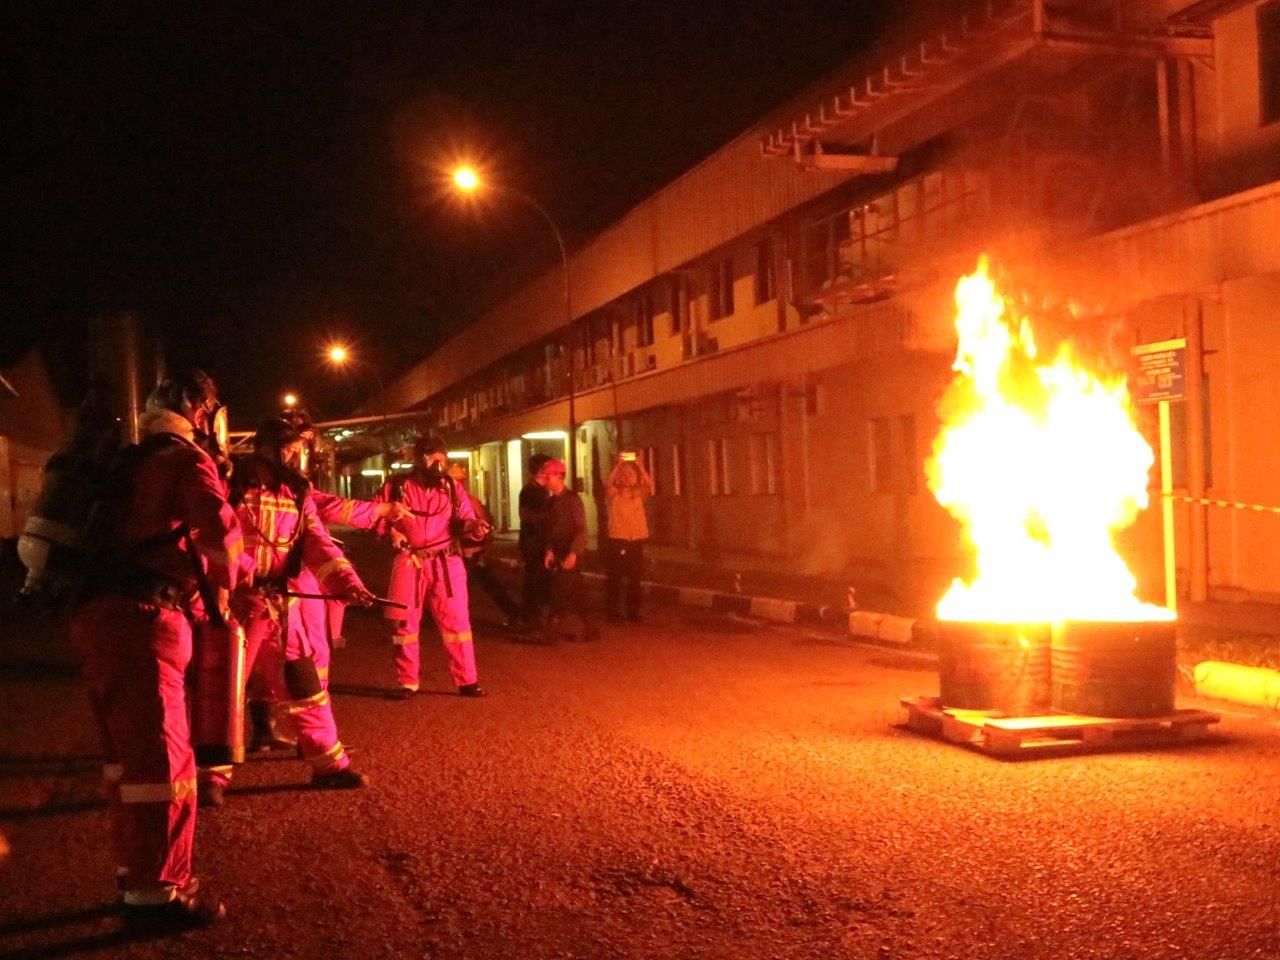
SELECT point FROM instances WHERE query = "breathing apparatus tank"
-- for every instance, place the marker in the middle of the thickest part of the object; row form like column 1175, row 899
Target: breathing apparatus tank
column 52, row 545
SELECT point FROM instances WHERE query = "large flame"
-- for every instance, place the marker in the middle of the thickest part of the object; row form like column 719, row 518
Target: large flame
column 1042, row 464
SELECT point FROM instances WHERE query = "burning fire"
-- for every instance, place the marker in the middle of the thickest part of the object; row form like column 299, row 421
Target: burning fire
column 1041, row 462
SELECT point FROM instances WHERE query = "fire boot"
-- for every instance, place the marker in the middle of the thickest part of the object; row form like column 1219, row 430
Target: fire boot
column 186, row 909
column 267, row 734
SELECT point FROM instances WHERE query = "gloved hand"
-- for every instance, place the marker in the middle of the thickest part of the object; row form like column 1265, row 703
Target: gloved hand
column 477, row 529
column 392, row 511
column 358, row 596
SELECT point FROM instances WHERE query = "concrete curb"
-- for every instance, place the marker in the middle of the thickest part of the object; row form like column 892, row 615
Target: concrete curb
column 1237, row 683
column 882, row 627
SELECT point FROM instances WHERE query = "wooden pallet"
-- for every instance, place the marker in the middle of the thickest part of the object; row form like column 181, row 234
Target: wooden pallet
column 1002, row 736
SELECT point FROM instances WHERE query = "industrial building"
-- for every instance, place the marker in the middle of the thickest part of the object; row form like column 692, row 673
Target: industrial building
column 772, row 331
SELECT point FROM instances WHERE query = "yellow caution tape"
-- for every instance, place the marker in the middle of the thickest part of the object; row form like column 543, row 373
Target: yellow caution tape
column 1229, row 504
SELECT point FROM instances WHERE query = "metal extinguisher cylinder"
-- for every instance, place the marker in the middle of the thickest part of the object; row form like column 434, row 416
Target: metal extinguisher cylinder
column 217, row 692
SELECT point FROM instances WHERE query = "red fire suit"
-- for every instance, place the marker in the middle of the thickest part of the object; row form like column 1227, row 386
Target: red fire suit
column 133, row 634
column 428, row 573
column 284, row 640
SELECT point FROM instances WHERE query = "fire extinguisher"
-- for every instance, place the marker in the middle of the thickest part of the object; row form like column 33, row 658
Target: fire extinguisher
column 218, row 648
column 216, row 676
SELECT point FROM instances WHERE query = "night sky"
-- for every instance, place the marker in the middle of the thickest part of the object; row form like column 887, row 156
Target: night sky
column 253, row 178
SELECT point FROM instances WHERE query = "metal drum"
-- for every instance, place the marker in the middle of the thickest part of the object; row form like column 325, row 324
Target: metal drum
column 994, row 666
column 1114, row 669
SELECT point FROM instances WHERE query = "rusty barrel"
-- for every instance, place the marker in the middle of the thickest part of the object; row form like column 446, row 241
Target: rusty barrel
column 1114, row 669
column 994, row 666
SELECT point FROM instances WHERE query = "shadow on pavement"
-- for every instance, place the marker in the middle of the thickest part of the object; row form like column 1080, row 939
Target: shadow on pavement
column 63, row 808
column 380, row 693
column 269, row 788
column 68, row 948
column 65, row 948
column 72, row 765
column 64, row 918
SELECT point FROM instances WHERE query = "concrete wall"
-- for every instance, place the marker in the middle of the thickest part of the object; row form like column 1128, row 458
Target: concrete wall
column 1248, row 153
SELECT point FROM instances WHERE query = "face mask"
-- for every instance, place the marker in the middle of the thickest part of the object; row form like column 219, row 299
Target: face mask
column 212, row 432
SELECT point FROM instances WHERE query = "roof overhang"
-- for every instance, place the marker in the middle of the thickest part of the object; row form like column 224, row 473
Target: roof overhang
column 915, row 95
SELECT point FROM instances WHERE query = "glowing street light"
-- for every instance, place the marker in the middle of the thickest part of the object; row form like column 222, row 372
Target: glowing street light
column 466, row 179
column 290, row 400
column 337, row 354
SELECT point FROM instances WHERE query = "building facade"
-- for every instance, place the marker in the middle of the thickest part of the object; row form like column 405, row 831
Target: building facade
column 772, row 331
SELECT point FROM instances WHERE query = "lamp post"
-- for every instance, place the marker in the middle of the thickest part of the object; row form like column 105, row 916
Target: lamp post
column 341, row 357
column 466, row 180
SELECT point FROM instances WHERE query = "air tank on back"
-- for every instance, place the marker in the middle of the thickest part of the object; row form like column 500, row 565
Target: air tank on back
column 122, row 372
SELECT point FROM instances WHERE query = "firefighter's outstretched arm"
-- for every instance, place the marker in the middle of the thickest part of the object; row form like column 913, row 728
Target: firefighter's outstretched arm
column 361, row 514
column 325, row 559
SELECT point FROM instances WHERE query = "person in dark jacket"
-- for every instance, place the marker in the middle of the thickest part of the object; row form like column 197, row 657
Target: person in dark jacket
column 566, row 548
column 535, row 508
column 473, row 553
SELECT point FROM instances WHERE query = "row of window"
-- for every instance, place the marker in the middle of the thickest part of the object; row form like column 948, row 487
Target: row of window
column 667, row 466
column 893, row 459
column 717, row 284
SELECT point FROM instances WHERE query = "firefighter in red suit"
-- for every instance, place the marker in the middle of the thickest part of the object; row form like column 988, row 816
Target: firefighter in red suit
column 327, row 616
column 284, row 537
column 428, row 573
column 171, row 525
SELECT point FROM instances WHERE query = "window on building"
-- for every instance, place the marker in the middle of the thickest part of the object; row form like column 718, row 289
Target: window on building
column 907, row 449
column 766, row 279
column 1269, row 61
column 676, row 303
column 644, row 320
column 718, row 467
column 720, row 289
column 880, row 453
column 764, row 463
column 648, row 457
column 677, row 469
column 893, row 454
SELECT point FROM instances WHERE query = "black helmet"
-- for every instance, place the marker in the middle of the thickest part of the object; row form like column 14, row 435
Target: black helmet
column 426, row 446
column 276, row 434
column 189, row 387
column 300, row 419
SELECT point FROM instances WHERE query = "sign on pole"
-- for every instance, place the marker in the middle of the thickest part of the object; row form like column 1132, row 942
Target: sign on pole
column 1159, row 377
column 1159, row 371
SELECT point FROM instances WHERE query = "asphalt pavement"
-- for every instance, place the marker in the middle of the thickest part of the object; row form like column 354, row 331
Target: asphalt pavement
column 696, row 786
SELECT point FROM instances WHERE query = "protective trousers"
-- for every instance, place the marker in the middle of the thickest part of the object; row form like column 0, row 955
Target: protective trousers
column 135, row 655
column 438, row 585
column 291, row 670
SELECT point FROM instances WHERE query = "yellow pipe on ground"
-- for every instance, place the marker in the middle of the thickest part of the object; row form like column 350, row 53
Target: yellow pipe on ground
column 1256, row 686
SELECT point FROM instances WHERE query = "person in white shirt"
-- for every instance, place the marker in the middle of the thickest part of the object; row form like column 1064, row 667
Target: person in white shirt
column 627, row 489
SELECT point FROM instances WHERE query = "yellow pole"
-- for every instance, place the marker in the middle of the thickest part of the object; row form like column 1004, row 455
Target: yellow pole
column 1166, row 509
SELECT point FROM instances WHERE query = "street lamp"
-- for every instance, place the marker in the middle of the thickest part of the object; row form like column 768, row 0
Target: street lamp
column 340, row 357
column 290, row 400
column 466, row 180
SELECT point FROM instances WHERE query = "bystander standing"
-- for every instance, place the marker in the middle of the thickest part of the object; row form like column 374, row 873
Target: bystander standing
column 566, row 547
column 535, row 510
column 627, row 488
